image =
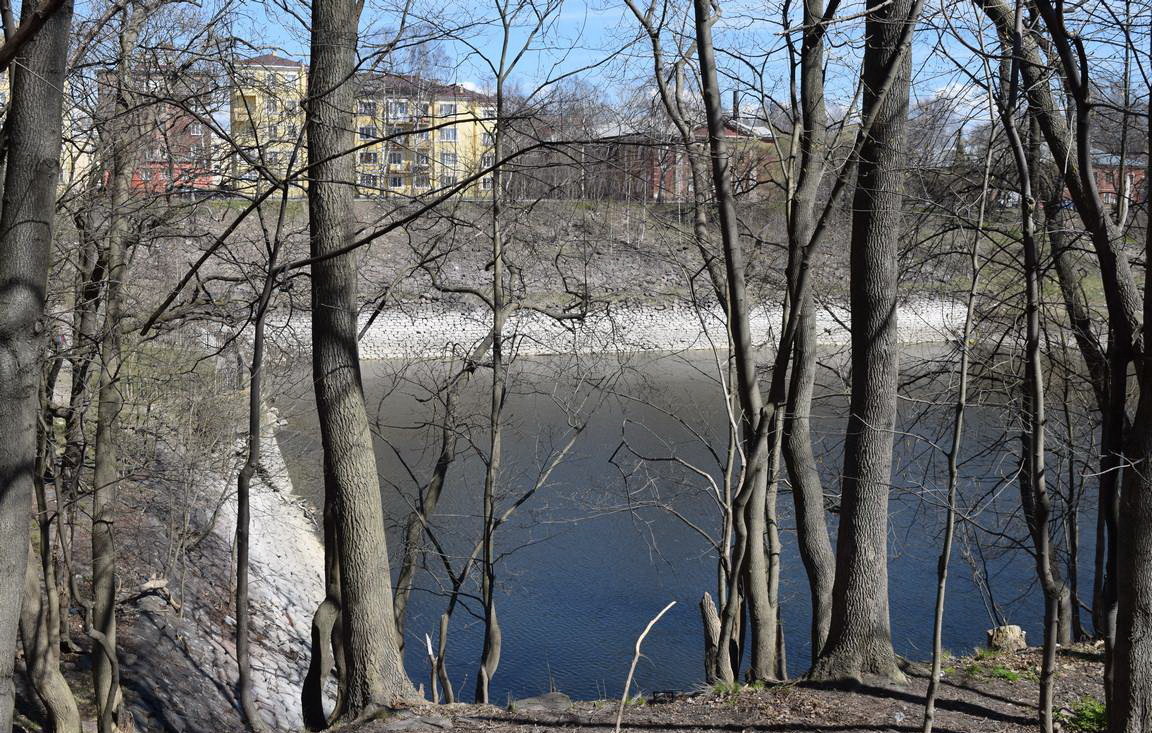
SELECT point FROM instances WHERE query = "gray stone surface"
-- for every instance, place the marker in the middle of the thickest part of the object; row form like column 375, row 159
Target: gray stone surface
column 550, row 702
column 432, row 330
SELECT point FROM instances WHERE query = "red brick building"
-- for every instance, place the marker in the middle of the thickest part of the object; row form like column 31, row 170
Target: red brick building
column 622, row 163
column 1116, row 178
column 175, row 149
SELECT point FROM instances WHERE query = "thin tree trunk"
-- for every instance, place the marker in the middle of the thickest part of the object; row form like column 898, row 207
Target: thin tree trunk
column 493, row 635
column 244, row 688
column 954, row 456
column 807, row 488
column 1072, row 147
column 753, row 559
column 373, row 668
column 39, row 637
column 427, row 502
column 85, row 323
column 1034, row 494
column 106, row 472
column 40, row 616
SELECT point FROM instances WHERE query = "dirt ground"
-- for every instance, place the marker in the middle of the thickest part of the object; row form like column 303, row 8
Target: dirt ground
column 994, row 693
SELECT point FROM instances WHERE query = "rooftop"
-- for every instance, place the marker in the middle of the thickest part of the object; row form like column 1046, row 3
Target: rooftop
column 271, row 59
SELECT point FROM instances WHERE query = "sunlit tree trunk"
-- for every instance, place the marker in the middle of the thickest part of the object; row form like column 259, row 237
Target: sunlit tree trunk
column 859, row 639
column 373, row 669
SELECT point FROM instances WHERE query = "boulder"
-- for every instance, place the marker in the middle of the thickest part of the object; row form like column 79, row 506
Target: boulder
column 551, row 702
column 1007, row 639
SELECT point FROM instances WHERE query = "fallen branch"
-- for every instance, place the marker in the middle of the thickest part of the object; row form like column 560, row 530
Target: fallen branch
column 635, row 661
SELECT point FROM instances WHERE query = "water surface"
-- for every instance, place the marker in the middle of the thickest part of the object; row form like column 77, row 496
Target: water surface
column 609, row 539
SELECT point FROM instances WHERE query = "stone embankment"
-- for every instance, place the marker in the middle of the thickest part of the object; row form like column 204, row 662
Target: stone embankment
column 432, row 330
column 286, row 584
column 180, row 660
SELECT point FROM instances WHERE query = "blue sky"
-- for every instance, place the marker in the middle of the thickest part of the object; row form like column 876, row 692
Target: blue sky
column 586, row 32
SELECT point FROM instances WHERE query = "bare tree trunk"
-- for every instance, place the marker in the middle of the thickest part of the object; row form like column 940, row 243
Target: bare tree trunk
column 33, row 130
column 954, row 456
column 493, row 635
column 1034, row 496
column 373, row 668
column 807, row 488
column 1130, row 710
column 427, row 502
column 40, row 615
column 753, row 559
column 244, row 690
column 85, row 323
column 106, row 471
column 859, row 640
column 1072, row 147
column 40, row 638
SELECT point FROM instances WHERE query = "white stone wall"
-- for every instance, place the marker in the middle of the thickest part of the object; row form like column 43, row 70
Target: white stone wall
column 432, row 330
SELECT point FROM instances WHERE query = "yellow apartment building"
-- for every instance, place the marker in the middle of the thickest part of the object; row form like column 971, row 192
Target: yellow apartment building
column 267, row 120
column 412, row 136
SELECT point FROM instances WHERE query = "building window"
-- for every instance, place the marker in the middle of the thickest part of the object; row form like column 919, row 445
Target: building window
column 446, row 109
column 486, row 183
column 273, row 158
column 448, row 134
column 447, row 180
column 271, row 105
column 368, row 132
column 367, row 180
column 367, row 107
column 195, row 129
column 424, row 135
column 369, row 157
column 293, row 131
column 397, row 110
column 488, row 160
column 273, row 132
column 448, row 160
column 488, row 139
column 422, row 182
column 423, row 160
column 489, row 113
column 395, row 182
column 395, row 157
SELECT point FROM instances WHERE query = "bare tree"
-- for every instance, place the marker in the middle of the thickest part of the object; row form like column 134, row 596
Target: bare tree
column 32, row 129
column 372, row 669
column 859, row 640
column 752, row 501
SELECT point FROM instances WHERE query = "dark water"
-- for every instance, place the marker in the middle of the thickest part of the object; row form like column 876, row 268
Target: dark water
column 595, row 552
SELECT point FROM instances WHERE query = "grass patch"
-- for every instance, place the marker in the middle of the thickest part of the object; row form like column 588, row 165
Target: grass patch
column 728, row 689
column 723, row 689
column 1087, row 716
column 1000, row 672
